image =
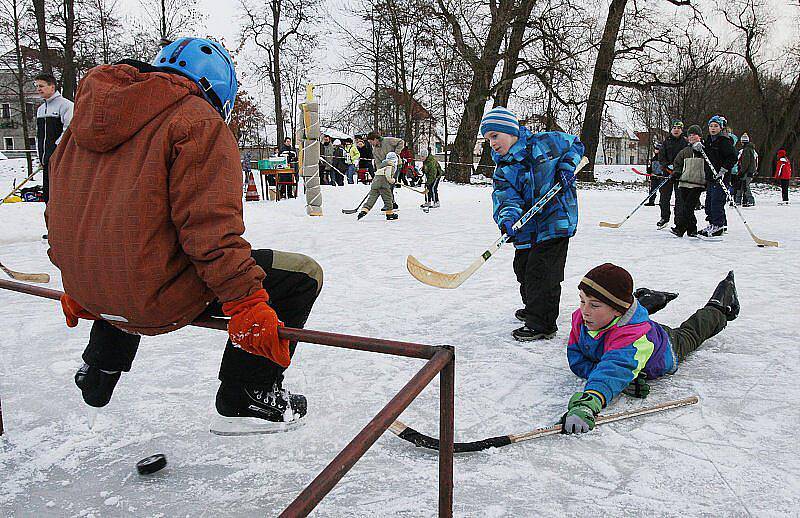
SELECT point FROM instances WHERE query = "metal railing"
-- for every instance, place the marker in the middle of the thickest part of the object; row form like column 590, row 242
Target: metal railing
column 441, row 361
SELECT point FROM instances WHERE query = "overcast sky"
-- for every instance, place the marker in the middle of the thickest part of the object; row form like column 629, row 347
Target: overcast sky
column 222, row 21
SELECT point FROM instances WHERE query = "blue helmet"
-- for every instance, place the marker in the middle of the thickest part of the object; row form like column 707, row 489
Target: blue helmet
column 719, row 119
column 208, row 64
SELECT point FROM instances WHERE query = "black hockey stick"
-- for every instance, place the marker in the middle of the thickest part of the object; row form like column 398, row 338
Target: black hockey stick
column 432, row 443
column 353, row 211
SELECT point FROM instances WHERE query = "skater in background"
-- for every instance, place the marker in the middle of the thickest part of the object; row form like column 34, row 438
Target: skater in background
column 670, row 148
column 351, row 158
column 748, row 169
column 722, row 155
column 366, row 160
column 381, row 147
column 616, row 348
column 52, row 120
column 339, row 163
column 161, row 242
column 655, row 172
column 527, row 166
column 433, row 174
column 381, row 186
column 325, row 161
column 783, row 173
column 289, row 151
column 690, row 177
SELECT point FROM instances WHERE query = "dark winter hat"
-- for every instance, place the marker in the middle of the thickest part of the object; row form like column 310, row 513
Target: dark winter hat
column 500, row 119
column 611, row 284
column 677, row 123
column 694, row 129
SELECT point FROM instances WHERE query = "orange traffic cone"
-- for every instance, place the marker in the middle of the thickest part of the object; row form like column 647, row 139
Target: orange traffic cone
column 252, row 191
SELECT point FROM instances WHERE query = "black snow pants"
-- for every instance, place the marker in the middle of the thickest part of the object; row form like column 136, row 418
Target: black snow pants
column 540, row 271
column 685, row 220
column 293, row 282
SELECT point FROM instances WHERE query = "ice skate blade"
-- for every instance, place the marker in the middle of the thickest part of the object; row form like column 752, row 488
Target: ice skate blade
column 221, row 425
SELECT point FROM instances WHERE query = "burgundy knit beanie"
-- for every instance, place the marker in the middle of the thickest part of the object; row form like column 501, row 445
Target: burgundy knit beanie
column 611, row 284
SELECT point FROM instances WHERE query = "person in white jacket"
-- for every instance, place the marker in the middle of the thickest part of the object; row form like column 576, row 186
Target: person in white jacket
column 52, row 120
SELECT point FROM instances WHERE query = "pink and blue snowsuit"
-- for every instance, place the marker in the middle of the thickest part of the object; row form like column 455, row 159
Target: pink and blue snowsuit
column 612, row 357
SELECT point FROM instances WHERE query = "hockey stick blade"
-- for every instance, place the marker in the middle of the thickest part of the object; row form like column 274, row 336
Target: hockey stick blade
column 449, row 281
column 431, row 277
column 729, row 198
column 610, row 225
column 30, row 277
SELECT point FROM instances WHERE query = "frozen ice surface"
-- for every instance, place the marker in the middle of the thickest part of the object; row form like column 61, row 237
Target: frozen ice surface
column 734, row 454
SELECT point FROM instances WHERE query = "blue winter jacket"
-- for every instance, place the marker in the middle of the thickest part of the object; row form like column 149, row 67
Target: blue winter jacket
column 523, row 175
column 610, row 358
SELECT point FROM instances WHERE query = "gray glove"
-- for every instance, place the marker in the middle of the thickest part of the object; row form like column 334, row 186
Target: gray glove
column 698, row 146
column 574, row 424
column 721, row 173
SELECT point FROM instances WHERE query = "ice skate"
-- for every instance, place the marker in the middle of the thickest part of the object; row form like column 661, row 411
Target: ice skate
column 256, row 409
column 725, row 298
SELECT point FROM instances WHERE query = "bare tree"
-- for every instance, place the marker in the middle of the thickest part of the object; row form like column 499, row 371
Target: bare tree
column 13, row 28
column 272, row 27
column 639, row 38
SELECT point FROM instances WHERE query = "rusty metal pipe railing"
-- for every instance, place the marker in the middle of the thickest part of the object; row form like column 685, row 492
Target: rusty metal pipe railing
column 441, row 360
column 361, row 343
column 327, row 479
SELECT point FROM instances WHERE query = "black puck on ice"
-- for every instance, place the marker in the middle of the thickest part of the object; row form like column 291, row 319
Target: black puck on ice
column 151, row 464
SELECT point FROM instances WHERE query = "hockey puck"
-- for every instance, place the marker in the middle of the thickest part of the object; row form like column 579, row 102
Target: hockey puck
column 151, row 464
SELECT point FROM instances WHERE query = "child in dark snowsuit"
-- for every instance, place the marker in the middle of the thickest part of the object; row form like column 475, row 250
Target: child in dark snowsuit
column 528, row 167
column 615, row 346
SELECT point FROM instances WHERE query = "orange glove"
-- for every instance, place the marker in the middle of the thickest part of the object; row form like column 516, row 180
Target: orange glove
column 254, row 327
column 73, row 311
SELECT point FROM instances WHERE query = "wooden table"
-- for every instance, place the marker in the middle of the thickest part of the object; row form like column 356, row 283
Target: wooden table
column 275, row 173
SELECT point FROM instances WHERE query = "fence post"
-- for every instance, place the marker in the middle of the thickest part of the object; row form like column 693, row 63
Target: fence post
column 446, row 432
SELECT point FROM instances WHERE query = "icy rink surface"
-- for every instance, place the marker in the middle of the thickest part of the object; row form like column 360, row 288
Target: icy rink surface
column 734, row 454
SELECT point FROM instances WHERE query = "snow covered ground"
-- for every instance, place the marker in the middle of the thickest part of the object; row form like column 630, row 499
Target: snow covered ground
column 734, row 454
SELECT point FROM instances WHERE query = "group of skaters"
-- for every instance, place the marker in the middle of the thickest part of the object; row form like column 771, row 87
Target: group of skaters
column 689, row 164
column 382, row 162
column 184, row 228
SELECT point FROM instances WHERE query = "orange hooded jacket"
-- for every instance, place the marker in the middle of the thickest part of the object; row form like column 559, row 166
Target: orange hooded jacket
column 145, row 211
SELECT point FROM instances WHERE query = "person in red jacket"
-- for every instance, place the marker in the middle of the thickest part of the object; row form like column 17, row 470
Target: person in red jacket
column 783, row 173
column 145, row 224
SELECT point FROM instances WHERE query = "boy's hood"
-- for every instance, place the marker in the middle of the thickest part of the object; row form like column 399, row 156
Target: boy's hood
column 108, row 107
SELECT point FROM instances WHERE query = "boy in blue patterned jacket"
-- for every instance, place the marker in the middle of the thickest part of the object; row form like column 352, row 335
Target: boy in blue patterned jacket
column 615, row 346
column 528, row 166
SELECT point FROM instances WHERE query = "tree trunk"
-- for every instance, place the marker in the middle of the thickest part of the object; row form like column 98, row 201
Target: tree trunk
column 41, row 29
column 69, row 73
column 276, row 75
column 503, row 93
column 590, row 132
column 479, row 91
column 20, row 77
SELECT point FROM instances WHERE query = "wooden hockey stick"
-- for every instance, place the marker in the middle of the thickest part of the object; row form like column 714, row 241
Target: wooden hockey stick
column 18, row 187
column 30, row 277
column 431, row 277
column 412, row 189
column 432, row 443
column 729, row 199
column 651, row 193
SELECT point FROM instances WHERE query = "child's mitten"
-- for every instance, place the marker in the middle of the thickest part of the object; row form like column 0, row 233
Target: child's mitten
column 582, row 409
